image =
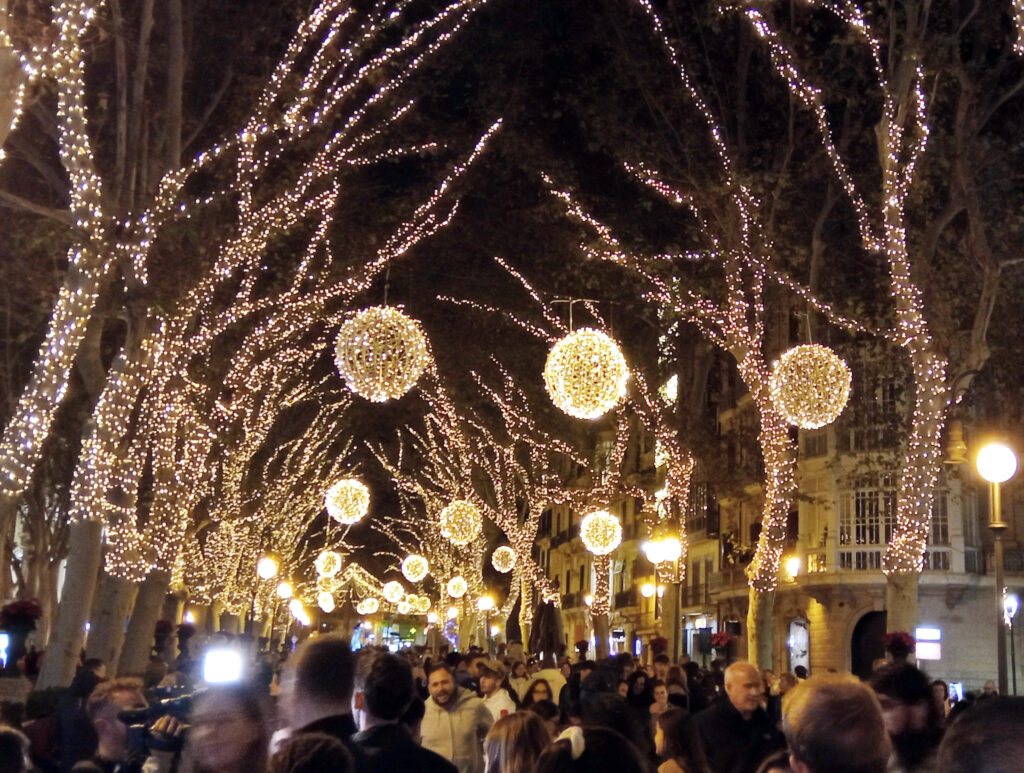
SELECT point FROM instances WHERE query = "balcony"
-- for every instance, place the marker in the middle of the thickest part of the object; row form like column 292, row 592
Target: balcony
column 625, row 598
column 573, row 600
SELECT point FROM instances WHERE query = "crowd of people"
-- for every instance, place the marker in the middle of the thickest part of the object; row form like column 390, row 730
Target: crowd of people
column 376, row 711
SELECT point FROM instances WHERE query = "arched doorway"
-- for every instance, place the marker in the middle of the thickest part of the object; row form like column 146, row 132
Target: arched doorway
column 866, row 643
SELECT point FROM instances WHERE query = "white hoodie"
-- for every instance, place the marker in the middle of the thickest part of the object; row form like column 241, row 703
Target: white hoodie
column 457, row 733
column 500, row 704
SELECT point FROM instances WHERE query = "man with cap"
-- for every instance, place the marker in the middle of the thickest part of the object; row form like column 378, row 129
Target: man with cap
column 492, row 686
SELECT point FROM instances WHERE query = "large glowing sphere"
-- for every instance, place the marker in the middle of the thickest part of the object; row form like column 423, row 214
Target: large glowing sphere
column 381, row 353
column 585, row 374
column 393, row 592
column 347, row 501
column 328, row 563
column 601, row 532
column 503, row 559
column 457, row 587
column 460, row 522
column 810, row 386
column 414, row 568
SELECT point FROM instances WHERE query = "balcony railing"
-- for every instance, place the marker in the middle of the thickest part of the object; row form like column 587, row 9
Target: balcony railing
column 625, row 598
column 573, row 600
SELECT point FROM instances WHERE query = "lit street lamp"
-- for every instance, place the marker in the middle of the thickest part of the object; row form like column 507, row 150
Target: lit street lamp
column 996, row 463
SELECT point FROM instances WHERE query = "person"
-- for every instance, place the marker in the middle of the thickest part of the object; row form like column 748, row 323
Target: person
column 519, row 680
column 660, row 704
column 677, row 741
column 514, row 743
column 592, row 750
column 800, row 672
column 911, row 715
column 776, row 762
column 640, row 695
column 316, row 691
column 550, row 714
column 988, row 690
column 311, row 753
column 13, row 751
column 623, row 688
column 493, row 688
column 102, row 708
column 228, row 732
column 553, row 676
column 76, row 739
column 940, row 691
column 678, row 692
column 662, row 663
column 735, row 730
column 455, row 722
column 985, row 739
column 539, row 690
column 833, row 724
column 571, row 693
column 384, row 689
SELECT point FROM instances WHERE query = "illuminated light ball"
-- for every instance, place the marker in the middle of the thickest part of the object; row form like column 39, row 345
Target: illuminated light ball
column 460, row 522
column 368, row 606
column 381, row 353
column 457, row 587
column 421, row 605
column 296, row 608
column 328, row 563
column 585, row 374
column 432, row 617
column 810, row 386
column 393, row 592
column 601, row 532
column 404, row 608
column 453, row 612
column 348, row 500
column 325, row 600
column 285, row 590
column 414, row 568
column 504, row 559
column 267, row 568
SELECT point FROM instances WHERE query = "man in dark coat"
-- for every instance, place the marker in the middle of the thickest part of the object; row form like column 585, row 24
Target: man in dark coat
column 737, row 733
column 384, row 687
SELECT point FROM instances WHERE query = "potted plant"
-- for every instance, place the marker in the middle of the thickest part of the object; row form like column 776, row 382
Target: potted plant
column 899, row 645
column 721, row 641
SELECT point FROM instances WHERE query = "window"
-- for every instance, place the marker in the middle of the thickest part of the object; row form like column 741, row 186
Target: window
column 816, row 562
column 815, row 443
column 867, row 515
column 940, row 520
column 937, row 560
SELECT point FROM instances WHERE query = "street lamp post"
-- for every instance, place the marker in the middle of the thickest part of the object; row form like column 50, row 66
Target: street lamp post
column 996, row 463
column 1011, row 603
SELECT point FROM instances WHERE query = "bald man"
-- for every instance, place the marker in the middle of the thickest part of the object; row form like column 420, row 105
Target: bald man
column 736, row 731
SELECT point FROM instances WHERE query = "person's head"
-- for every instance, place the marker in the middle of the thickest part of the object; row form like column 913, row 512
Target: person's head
column 744, row 687
column 13, row 751
column 637, row 682
column 592, row 750
column 317, row 683
column 565, row 669
column 662, row 663
column 412, row 717
column 787, row 682
column 676, row 738
column 311, row 753
column 906, row 696
column 623, row 688
column 549, row 713
column 833, row 724
column 800, row 672
column 382, row 690
column 492, row 676
column 539, row 690
column 587, row 667
column 989, row 687
column 473, row 662
column 985, row 739
column 519, row 670
column 104, row 704
column 97, row 666
column 228, row 731
column 660, row 692
column 515, row 743
column 676, row 677
column 441, row 686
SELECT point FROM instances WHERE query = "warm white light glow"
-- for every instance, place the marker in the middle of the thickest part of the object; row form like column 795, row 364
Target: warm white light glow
column 328, row 563
column 432, row 617
column 810, row 386
column 503, row 559
column 485, row 603
column 495, row 630
column 453, row 612
column 586, row 374
column 381, row 353
column 457, row 587
column 266, row 568
column 347, row 501
column 647, row 590
column 793, row 565
column 325, row 601
column 415, row 568
column 393, row 592
column 996, row 463
column 285, row 590
column 600, row 532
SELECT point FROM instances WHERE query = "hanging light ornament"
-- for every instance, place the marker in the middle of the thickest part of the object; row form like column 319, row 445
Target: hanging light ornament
column 404, row 608
column 368, row 606
column 347, row 501
column 504, row 559
column 810, row 386
column 460, row 522
column 381, row 353
column 601, row 532
column 393, row 592
column 585, row 374
column 457, row 587
column 414, row 568
column 421, row 605
column 328, row 563
column 267, row 568
column 325, row 601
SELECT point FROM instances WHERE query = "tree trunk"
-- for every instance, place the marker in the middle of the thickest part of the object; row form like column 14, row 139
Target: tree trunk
column 670, row 617
column 138, row 642
column 113, row 605
column 901, row 602
column 68, row 628
column 601, row 634
column 760, row 628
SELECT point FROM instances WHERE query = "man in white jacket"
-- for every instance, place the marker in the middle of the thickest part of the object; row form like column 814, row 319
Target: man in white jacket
column 492, row 685
column 455, row 722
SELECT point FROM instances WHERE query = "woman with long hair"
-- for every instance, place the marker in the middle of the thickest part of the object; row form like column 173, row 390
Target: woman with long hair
column 514, row 743
column 539, row 690
column 677, row 742
column 228, row 733
column 519, row 679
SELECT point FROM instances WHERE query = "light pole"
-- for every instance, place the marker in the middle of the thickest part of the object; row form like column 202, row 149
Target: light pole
column 485, row 604
column 1011, row 603
column 662, row 551
column 996, row 463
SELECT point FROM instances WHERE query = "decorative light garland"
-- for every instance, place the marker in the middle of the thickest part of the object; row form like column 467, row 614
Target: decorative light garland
column 457, row 587
column 503, row 559
column 381, row 353
column 585, row 374
column 810, row 385
column 460, row 522
column 393, row 592
column 415, row 567
column 601, row 532
column 347, row 501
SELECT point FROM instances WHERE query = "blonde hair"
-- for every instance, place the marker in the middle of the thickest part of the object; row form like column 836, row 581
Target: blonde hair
column 515, row 743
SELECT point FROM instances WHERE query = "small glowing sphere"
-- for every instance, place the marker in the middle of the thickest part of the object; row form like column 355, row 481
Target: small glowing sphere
column 381, row 353
column 457, row 587
column 328, row 563
column 495, row 630
column 285, row 590
column 585, row 374
column 266, row 568
column 453, row 612
column 664, row 550
column 190, row 617
column 432, row 617
column 325, row 601
column 601, row 532
column 421, row 605
column 347, row 501
column 485, row 603
column 414, row 568
column 793, row 566
column 504, row 559
column 368, row 606
column 588, row 599
column 296, row 608
column 404, row 608
column 996, row 463
column 393, row 592
column 647, row 590
column 810, row 386
column 460, row 522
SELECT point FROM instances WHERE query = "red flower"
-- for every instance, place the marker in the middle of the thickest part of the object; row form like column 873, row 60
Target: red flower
column 24, row 612
column 720, row 639
column 899, row 643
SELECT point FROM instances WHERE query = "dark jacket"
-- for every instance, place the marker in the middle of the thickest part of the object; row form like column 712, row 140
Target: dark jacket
column 342, row 727
column 390, row 748
column 76, row 738
column 734, row 744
